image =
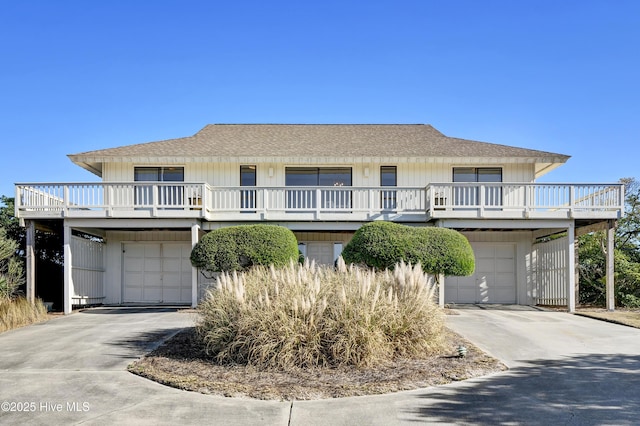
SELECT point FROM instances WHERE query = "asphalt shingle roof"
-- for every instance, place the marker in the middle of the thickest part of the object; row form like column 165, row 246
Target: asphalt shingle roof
column 318, row 140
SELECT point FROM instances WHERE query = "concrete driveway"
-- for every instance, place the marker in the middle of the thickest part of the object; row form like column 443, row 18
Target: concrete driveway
column 564, row 370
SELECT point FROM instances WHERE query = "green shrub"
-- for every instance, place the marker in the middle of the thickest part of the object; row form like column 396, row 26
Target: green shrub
column 237, row 248
column 383, row 244
column 19, row 312
column 304, row 316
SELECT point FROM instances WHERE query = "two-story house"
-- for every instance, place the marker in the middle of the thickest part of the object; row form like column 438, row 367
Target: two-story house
column 323, row 182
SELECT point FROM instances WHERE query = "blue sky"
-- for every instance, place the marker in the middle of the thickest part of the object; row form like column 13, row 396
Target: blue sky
column 561, row 76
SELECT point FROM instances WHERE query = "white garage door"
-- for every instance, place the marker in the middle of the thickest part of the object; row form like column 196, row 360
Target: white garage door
column 156, row 273
column 494, row 279
column 323, row 252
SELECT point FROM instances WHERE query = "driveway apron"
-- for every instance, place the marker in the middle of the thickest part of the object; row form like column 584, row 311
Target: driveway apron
column 564, row 369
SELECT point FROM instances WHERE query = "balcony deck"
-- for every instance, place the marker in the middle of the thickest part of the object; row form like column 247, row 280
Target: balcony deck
column 356, row 204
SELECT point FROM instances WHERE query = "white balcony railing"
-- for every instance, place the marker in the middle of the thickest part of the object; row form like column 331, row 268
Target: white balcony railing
column 525, row 200
column 200, row 200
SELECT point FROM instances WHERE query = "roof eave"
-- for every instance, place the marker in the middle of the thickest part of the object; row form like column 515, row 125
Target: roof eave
column 93, row 167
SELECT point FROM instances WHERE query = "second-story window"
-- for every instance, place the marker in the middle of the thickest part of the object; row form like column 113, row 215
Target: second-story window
column 247, row 196
column 388, row 177
column 336, row 177
column 469, row 195
column 167, row 195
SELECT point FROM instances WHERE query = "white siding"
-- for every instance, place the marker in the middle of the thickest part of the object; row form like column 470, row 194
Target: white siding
column 364, row 173
column 87, row 271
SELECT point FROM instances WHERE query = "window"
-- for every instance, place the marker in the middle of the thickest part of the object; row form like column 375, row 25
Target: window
column 388, row 177
column 248, row 196
column 168, row 195
column 468, row 195
column 337, row 177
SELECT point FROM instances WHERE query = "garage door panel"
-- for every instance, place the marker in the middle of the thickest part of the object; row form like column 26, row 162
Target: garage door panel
column 152, row 250
column 172, row 264
column 157, row 273
column 505, row 265
column 505, row 251
column 466, row 295
column 494, row 279
column 485, row 265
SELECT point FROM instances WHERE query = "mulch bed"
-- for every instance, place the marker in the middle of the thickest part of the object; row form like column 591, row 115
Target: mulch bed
column 182, row 363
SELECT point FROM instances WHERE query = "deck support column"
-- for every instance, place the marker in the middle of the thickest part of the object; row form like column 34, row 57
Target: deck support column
column 440, row 278
column 68, row 277
column 571, row 267
column 610, row 270
column 195, row 237
column 31, row 260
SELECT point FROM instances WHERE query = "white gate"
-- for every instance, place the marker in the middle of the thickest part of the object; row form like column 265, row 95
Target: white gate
column 87, row 271
column 550, row 270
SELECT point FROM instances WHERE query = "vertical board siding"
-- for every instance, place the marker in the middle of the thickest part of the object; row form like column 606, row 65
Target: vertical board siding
column 550, row 270
column 87, row 271
column 410, row 173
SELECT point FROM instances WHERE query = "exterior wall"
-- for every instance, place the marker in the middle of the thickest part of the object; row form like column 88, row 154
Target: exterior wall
column 525, row 285
column 113, row 256
column 363, row 173
column 334, row 237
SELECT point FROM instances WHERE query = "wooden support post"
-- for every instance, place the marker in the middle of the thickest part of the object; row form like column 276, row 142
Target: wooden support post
column 195, row 237
column 576, row 271
column 610, row 294
column 68, row 277
column 31, row 260
column 441, row 290
column 571, row 263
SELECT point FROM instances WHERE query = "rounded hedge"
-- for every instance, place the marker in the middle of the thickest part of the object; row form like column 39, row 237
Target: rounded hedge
column 237, row 248
column 383, row 244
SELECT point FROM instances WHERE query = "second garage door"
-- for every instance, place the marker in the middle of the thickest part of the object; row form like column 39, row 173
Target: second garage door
column 494, row 279
column 156, row 273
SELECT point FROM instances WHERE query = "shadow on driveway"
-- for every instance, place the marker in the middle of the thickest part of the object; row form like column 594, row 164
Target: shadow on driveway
column 580, row 390
column 145, row 341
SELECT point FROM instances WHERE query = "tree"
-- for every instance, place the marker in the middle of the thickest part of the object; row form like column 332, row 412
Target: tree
column 592, row 255
column 9, row 222
column 11, row 272
column 48, row 237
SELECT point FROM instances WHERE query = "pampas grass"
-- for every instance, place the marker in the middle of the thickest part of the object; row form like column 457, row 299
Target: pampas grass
column 305, row 316
column 19, row 312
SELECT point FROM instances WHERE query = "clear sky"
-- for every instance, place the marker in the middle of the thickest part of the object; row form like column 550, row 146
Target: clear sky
column 560, row 76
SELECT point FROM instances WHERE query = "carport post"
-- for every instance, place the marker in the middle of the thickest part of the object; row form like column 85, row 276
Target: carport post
column 571, row 267
column 31, row 260
column 195, row 237
column 441, row 290
column 610, row 278
column 68, row 277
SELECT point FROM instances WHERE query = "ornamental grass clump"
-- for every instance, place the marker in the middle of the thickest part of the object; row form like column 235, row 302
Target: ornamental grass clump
column 305, row 316
column 19, row 312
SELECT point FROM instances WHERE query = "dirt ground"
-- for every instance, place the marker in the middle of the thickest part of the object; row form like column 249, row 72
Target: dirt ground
column 182, row 363
column 629, row 317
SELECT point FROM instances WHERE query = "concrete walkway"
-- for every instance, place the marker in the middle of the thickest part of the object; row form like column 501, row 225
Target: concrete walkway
column 565, row 369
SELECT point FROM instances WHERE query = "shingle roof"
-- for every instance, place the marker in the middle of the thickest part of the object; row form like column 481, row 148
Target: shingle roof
column 317, row 140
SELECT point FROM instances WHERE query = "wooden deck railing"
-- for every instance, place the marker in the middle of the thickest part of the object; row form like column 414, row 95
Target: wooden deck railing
column 523, row 200
column 241, row 203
